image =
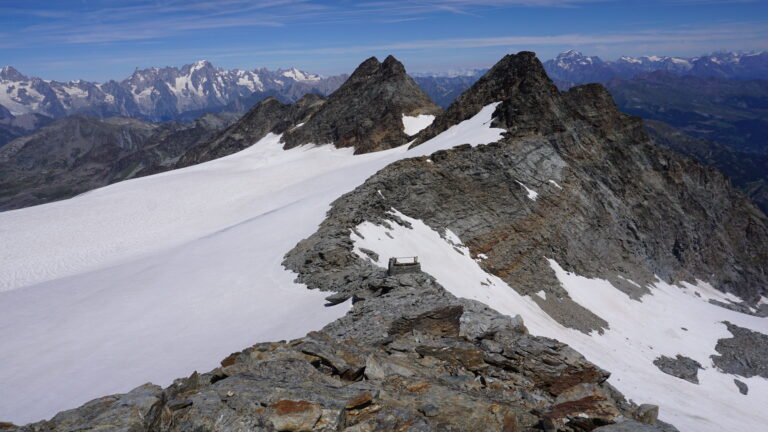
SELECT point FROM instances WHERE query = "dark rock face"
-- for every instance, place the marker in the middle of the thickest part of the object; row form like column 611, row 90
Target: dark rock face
column 745, row 354
column 270, row 115
column 77, row 154
column 682, row 367
column 12, row 127
column 366, row 112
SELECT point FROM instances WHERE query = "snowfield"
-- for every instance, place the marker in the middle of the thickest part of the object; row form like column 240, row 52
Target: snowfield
column 153, row 278
column 640, row 331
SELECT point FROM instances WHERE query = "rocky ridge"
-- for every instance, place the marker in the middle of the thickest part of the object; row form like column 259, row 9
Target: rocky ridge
column 615, row 206
column 747, row 171
column 269, row 115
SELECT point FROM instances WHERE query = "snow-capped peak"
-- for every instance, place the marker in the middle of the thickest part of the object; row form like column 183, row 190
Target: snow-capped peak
column 572, row 58
column 11, row 74
column 300, row 76
column 200, row 64
column 630, row 60
column 571, row 53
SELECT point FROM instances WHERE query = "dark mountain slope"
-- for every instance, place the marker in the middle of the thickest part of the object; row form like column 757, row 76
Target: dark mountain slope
column 747, row 171
column 12, row 127
column 365, row 113
column 270, row 115
column 77, row 154
column 734, row 113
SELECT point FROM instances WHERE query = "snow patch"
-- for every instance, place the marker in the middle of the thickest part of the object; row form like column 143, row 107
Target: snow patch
column 415, row 124
column 532, row 194
column 555, row 183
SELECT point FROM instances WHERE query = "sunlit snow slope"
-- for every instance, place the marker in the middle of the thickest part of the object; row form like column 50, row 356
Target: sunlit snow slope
column 150, row 279
column 671, row 320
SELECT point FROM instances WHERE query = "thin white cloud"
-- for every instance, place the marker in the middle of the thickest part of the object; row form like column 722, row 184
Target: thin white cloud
column 736, row 31
column 141, row 20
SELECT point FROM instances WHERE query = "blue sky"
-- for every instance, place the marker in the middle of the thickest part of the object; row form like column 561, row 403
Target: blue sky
column 107, row 39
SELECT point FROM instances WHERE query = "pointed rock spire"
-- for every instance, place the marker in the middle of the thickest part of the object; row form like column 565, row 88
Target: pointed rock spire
column 530, row 101
column 518, row 80
column 366, row 112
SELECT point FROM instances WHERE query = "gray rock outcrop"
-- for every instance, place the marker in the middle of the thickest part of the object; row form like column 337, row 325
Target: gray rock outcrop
column 745, row 354
column 610, row 203
column 681, row 367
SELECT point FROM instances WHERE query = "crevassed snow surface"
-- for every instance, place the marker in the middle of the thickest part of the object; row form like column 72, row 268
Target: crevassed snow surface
column 640, row 331
column 415, row 124
column 152, row 278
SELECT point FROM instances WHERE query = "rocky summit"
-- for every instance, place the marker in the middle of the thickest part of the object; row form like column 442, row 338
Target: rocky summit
column 573, row 276
column 366, row 112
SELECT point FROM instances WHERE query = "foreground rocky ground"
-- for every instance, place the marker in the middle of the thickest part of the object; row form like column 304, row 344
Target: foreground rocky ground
column 411, row 357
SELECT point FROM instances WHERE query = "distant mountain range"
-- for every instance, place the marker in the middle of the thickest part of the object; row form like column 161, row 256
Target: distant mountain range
column 574, row 67
column 707, row 97
column 172, row 93
column 157, row 94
